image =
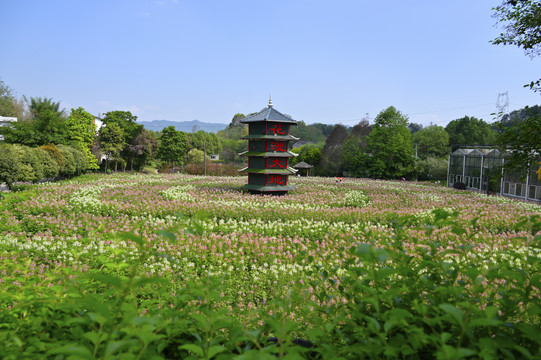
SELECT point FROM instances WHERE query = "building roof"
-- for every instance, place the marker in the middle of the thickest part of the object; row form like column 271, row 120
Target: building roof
column 303, row 165
column 269, row 114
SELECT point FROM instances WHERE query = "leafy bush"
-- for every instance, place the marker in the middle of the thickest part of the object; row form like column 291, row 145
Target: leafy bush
column 459, row 186
column 432, row 169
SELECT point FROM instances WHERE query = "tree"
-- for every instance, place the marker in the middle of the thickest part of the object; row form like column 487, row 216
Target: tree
column 354, row 149
column 521, row 20
column 172, row 147
column 331, row 156
column 130, row 129
column 111, row 142
column 46, row 125
column 203, row 140
column 389, row 146
column 7, row 107
column 521, row 142
column 470, row 131
column 141, row 149
column 309, row 153
column 50, row 167
column 414, row 127
column 196, row 156
column 12, row 166
column 38, row 106
column 431, row 141
column 56, row 155
column 81, row 132
column 307, row 132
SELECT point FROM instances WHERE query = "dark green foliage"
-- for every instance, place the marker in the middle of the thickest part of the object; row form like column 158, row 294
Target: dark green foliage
column 142, row 149
column 389, row 146
column 173, row 147
column 470, row 131
column 50, row 166
column 331, row 155
column 123, row 154
column 459, row 185
column 520, row 140
column 202, row 140
column 111, row 141
column 397, row 306
column 12, row 168
column 432, row 141
column 56, row 155
column 47, row 125
column 312, row 132
column 414, row 127
column 432, row 169
column 309, row 153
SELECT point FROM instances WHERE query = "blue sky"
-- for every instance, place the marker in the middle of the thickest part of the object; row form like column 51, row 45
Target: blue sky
column 322, row 61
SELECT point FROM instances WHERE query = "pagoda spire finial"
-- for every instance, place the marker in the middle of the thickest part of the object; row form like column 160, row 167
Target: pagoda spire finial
column 270, row 101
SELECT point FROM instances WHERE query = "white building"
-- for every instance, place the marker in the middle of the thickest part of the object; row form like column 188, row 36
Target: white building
column 6, row 121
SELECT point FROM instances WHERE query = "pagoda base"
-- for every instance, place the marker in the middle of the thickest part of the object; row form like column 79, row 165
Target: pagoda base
column 270, row 190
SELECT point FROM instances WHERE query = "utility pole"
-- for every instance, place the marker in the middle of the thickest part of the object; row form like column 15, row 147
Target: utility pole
column 205, row 156
column 502, row 103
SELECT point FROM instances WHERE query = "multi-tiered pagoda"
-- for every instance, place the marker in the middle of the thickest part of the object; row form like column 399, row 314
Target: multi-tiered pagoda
column 268, row 152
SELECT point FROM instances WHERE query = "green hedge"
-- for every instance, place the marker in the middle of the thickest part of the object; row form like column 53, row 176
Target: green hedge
column 19, row 163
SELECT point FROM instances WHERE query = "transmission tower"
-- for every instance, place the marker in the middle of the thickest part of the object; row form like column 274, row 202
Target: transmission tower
column 502, row 103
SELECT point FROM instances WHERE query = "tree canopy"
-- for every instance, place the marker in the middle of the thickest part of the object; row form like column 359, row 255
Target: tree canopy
column 470, row 131
column 389, row 146
column 431, row 141
column 520, row 142
column 173, row 146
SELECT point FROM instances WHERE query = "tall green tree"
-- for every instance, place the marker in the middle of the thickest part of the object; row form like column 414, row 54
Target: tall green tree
column 82, row 133
column 203, row 140
column 521, row 20
column 172, row 147
column 130, row 129
column 354, row 149
column 46, row 125
column 389, row 146
column 38, row 106
column 432, row 141
column 470, row 131
column 111, row 140
column 521, row 141
column 142, row 149
column 7, row 107
column 331, row 155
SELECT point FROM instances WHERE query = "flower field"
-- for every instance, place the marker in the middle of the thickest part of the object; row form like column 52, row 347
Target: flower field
column 174, row 266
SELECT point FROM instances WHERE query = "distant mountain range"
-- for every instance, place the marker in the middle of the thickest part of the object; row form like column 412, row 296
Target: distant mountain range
column 186, row 126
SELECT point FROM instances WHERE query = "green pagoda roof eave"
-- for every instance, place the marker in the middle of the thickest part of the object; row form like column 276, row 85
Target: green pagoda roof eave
column 269, row 154
column 288, row 171
column 270, row 137
column 263, row 188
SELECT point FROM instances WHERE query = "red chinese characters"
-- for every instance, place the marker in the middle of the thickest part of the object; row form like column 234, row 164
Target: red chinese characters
column 276, row 179
column 277, row 163
column 279, row 146
column 276, row 129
